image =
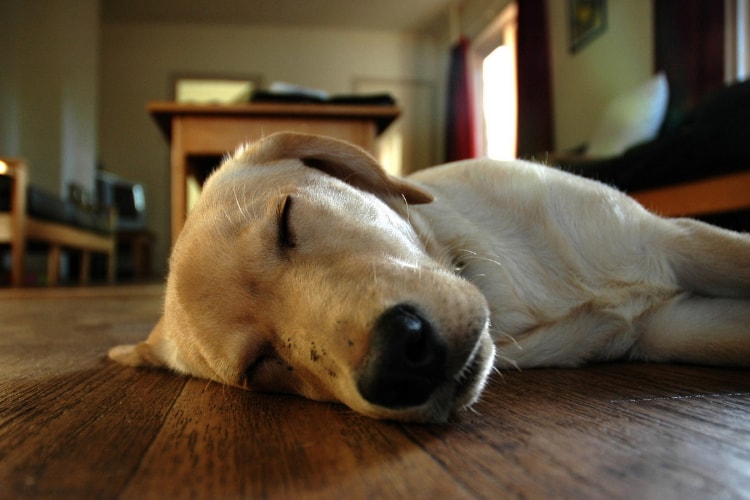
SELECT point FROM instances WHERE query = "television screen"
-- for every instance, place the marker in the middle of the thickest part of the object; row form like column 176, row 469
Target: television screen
column 129, row 198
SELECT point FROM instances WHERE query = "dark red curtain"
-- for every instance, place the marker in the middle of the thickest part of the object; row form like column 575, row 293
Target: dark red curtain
column 535, row 134
column 460, row 133
column 689, row 48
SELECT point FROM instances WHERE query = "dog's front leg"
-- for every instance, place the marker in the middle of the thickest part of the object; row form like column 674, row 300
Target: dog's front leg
column 695, row 329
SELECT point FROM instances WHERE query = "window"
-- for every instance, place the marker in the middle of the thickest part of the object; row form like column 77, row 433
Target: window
column 737, row 41
column 494, row 54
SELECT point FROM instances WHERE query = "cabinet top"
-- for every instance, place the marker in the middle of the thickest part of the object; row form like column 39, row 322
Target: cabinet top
column 164, row 111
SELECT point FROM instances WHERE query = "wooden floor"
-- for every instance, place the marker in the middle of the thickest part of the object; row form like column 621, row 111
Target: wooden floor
column 73, row 425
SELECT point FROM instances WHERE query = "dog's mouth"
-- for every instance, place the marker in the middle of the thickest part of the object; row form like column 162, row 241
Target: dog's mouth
column 474, row 375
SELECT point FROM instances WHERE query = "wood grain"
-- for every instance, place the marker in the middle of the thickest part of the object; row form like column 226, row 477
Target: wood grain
column 724, row 193
column 74, row 425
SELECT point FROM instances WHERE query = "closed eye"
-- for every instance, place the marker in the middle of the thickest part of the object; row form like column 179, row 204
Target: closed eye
column 286, row 234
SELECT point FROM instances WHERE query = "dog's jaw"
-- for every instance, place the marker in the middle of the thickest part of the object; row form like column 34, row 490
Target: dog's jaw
column 474, row 376
column 469, row 383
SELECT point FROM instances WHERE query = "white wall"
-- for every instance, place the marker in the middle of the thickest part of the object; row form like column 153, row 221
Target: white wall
column 48, row 95
column 617, row 61
column 138, row 62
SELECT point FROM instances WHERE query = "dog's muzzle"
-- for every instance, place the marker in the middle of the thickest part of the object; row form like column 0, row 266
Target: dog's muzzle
column 406, row 362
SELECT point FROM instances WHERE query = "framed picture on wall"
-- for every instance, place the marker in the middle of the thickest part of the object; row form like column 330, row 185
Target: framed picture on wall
column 588, row 20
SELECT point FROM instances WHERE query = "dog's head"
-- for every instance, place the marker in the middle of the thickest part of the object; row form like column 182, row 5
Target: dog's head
column 298, row 271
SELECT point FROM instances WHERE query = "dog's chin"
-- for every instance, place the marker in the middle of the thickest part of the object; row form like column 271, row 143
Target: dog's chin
column 447, row 400
column 474, row 376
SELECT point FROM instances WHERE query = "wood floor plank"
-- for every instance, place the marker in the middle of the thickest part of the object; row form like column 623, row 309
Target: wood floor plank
column 81, row 434
column 220, row 442
column 567, row 433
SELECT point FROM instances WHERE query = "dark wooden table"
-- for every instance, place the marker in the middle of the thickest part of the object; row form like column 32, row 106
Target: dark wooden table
column 73, row 425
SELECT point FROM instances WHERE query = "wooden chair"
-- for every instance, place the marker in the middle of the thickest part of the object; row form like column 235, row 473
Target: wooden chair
column 17, row 228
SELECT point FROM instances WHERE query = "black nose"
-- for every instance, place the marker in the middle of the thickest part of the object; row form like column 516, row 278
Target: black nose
column 406, row 361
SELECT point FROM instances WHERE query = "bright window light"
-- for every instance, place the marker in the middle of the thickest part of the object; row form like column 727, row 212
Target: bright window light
column 499, row 103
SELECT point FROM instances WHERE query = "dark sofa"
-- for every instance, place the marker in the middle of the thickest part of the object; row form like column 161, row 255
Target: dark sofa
column 29, row 215
column 698, row 165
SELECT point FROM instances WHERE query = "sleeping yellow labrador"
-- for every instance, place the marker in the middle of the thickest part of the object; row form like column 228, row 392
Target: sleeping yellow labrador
column 305, row 268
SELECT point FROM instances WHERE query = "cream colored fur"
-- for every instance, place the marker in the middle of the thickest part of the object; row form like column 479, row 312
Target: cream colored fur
column 512, row 263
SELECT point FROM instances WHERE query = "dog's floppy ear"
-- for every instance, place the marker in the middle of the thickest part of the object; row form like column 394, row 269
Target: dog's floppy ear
column 335, row 157
column 145, row 353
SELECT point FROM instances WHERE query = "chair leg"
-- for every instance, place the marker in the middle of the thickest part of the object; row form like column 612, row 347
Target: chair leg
column 111, row 266
column 17, row 266
column 85, row 270
column 53, row 265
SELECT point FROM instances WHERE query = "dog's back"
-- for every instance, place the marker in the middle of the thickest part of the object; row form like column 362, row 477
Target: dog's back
column 575, row 271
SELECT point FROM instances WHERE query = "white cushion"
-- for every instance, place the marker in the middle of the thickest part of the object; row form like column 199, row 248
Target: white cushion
column 631, row 119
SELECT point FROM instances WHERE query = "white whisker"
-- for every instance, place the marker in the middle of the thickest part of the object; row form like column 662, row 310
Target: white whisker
column 496, row 334
column 237, row 201
column 406, row 204
column 226, row 214
column 497, row 371
column 509, row 361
